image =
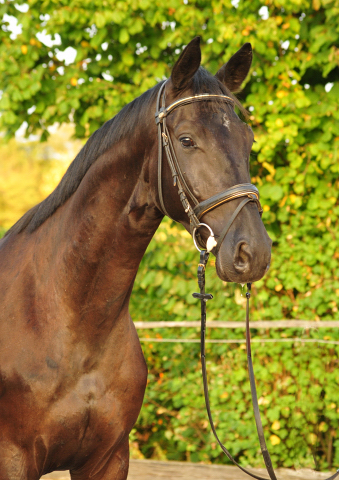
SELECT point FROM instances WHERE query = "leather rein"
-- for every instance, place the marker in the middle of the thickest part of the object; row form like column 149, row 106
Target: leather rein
column 251, row 194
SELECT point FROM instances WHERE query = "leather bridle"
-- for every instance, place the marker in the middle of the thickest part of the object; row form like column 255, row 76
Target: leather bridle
column 195, row 213
column 251, row 194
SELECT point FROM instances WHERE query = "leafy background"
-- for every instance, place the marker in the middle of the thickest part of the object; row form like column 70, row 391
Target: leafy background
column 297, row 382
column 120, row 49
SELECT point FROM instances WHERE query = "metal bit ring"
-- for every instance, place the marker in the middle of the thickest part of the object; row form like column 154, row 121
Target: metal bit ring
column 195, row 229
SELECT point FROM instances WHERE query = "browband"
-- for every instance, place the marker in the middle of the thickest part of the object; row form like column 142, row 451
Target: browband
column 164, row 111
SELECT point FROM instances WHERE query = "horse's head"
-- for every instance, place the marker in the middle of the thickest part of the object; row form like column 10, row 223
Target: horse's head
column 209, row 148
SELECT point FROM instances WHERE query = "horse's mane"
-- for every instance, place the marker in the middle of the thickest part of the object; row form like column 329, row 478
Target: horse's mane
column 101, row 140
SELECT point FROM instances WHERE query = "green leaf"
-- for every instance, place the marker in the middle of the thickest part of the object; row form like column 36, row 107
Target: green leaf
column 123, row 36
column 127, row 59
column 272, row 192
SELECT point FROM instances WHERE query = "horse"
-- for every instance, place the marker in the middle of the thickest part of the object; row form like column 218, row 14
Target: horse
column 72, row 372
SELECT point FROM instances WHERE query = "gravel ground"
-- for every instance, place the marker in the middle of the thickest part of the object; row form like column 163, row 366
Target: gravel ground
column 154, row 470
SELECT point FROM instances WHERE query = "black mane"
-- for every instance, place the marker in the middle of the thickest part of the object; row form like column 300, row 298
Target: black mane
column 101, row 140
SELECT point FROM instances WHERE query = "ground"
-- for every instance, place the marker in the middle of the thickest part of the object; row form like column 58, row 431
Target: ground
column 153, row 470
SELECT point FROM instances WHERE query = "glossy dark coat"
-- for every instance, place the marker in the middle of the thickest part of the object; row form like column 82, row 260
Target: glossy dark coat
column 72, row 373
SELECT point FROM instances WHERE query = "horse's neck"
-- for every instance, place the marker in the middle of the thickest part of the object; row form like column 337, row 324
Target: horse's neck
column 104, row 231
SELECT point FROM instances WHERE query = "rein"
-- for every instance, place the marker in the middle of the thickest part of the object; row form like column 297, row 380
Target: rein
column 203, row 297
column 251, row 194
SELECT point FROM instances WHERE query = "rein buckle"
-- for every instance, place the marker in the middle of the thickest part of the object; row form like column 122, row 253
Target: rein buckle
column 203, row 296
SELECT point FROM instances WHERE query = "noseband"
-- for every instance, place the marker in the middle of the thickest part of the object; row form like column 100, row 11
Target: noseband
column 251, row 194
column 195, row 213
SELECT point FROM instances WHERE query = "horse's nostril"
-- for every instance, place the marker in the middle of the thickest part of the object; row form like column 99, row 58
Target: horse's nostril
column 242, row 257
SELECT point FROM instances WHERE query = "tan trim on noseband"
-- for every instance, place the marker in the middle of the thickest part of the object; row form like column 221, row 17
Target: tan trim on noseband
column 249, row 193
column 165, row 142
column 228, row 200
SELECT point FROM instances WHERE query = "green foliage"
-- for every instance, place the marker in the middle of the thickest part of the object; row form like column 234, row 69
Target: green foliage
column 294, row 163
column 295, row 120
column 137, row 41
column 297, row 383
column 298, row 396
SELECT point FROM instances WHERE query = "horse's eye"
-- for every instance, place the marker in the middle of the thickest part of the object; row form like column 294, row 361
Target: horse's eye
column 187, row 142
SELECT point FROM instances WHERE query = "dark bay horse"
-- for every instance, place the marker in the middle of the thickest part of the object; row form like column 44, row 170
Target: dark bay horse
column 72, row 373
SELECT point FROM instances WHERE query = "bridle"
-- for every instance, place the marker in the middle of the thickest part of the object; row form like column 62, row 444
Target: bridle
column 251, row 194
column 247, row 190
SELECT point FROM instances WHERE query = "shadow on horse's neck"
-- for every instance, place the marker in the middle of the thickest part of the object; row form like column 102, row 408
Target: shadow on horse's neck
column 89, row 250
column 113, row 218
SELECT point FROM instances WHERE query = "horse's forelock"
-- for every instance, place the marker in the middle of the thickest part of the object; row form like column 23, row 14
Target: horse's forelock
column 204, row 82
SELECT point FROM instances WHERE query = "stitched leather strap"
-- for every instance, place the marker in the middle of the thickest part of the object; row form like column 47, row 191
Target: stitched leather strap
column 236, row 191
column 229, row 223
column 162, row 112
column 161, row 197
column 258, row 422
column 165, row 142
column 203, row 298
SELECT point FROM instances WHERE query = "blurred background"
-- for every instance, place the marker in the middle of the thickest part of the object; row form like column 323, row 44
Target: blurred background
column 68, row 66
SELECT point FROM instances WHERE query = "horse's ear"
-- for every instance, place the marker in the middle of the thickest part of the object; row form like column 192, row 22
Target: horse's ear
column 234, row 72
column 187, row 64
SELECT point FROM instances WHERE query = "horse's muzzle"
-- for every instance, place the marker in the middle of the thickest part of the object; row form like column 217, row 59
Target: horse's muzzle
column 247, row 262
